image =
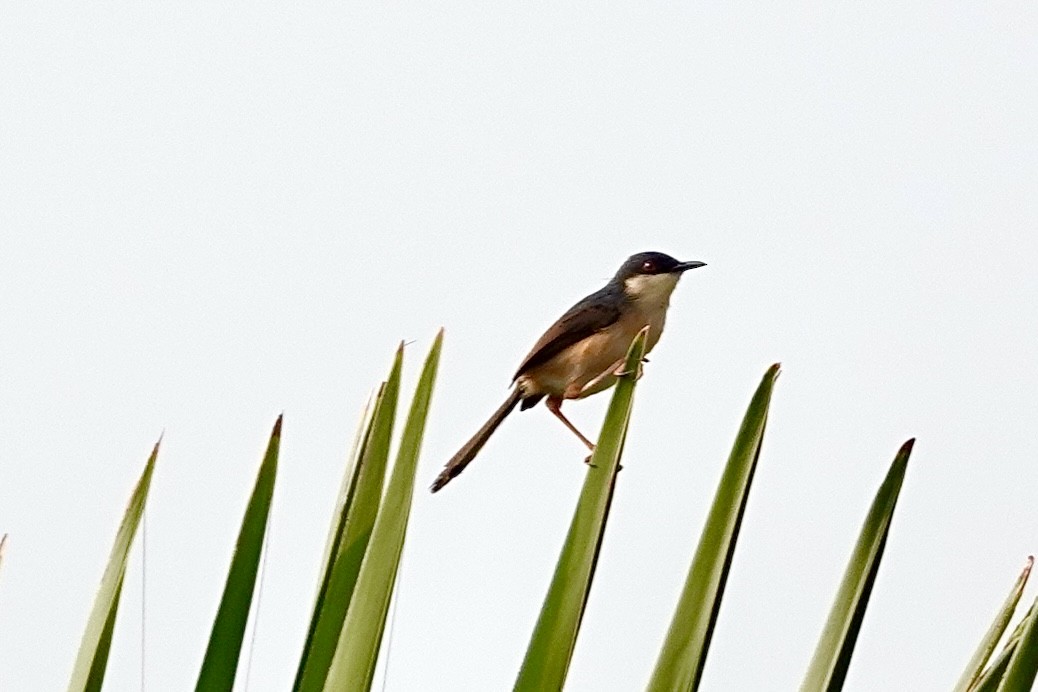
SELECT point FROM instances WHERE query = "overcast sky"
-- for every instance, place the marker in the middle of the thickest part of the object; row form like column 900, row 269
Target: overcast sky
column 212, row 213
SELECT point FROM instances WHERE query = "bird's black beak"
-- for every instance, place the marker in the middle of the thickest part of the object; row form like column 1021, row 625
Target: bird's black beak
column 685, row 266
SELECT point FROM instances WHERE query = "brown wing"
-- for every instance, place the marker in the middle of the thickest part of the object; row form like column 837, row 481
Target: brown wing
column 590, row 315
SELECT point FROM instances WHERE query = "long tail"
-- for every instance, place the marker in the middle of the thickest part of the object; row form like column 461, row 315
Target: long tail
column 467, row 453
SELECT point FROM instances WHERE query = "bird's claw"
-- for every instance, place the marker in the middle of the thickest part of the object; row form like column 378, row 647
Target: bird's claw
column 619, row 467
column 637, row 372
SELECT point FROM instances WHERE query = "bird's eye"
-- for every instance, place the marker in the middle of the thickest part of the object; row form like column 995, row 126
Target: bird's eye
column 648, row 266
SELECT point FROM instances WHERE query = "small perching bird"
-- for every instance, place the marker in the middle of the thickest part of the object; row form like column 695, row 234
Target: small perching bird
column 583, row 352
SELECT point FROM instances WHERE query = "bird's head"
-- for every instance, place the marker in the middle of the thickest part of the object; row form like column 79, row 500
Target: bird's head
column 652, row 276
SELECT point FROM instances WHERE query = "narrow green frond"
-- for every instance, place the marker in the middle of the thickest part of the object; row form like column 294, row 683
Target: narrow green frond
column 1023, row 664
column 97, row 671
column 353, row 523
column 995, row 631
column 992, row 677
column 832, row 657
column 221, row 656
column 356, row 654
column 555, row 635
column 348, row 486
column 88, row 671
column 683, row 655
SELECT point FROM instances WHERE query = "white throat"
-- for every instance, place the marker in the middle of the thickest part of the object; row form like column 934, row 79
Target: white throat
column 651, row 289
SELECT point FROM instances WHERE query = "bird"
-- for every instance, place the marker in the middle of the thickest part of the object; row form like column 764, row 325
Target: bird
column 583, row 352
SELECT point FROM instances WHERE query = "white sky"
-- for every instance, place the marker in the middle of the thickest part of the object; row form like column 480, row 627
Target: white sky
column 213, row 213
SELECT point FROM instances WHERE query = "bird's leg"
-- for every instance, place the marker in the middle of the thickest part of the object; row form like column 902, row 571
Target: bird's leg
column 555, row 406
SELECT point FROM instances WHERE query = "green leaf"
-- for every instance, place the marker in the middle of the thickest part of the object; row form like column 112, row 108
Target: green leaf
column 994, row 634
column 355, row 657
column 351, row 530
column 221, row 656
column 681, row 660
column 97, row 670
column 828, row 668
column 555, row 635
column 348, row 486
column 992, row 677
column 89, row 669
column 1023, row 665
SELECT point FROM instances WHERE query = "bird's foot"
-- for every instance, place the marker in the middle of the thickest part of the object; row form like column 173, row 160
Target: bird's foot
column 637, row 372
column 619, row 467
column 587, row 459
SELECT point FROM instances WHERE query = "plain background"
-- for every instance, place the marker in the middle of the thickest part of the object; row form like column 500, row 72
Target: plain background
column 215, row 212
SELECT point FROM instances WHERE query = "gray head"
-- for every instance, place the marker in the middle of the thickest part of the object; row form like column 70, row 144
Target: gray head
column 652, row 263
column 650, row 277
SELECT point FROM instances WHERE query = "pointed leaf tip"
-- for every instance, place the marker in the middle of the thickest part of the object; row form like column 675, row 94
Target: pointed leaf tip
column 220, row 664
column 360, row 636
column 92, row 658
column 682, row 658
column 832, row 657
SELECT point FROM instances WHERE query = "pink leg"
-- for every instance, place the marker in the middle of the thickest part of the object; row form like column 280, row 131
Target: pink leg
column 555, row 405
